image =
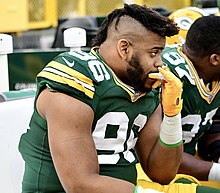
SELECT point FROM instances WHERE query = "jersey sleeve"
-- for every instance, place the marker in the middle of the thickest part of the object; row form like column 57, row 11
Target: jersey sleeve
column 69, row 74
column 170, row 58
column 177, row 64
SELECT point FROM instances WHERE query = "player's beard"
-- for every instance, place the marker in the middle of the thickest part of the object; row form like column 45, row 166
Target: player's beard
column 136, row 75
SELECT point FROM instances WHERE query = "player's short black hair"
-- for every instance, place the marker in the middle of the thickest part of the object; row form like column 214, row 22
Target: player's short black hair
column 203, row 37
column 150, row 19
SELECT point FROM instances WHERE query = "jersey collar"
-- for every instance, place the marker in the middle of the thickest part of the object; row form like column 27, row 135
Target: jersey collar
column 134, row 95
column 205, row 93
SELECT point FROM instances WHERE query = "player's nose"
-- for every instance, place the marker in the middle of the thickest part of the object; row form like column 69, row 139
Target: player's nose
column 158, row 62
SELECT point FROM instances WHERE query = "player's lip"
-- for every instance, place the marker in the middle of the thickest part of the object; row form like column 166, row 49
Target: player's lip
column 151, row 80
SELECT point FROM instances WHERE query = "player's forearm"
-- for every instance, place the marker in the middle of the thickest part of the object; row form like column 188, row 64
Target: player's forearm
column 105, row 184
column 168, row 160
column 162, row 163
column 98, row 184
column 195, row 167
column 168, row 150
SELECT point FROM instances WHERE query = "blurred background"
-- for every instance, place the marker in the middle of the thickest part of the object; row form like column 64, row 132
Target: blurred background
column 37, row 26
column 34, row 23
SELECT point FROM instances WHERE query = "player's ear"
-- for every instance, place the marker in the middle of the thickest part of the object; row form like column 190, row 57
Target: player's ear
column 123, row 47
column 215, row 59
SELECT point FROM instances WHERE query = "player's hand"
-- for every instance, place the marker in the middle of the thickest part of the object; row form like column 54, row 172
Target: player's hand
column 158, row 76
column 171, row 91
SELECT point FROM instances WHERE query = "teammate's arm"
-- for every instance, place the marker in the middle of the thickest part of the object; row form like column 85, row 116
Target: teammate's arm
column 72, row 148
column 203, row 167
column 194, row 166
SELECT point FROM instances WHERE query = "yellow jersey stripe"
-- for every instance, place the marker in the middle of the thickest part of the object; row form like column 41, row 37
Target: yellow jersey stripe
column 60, row 73
column 71, row 72
column 64, row 80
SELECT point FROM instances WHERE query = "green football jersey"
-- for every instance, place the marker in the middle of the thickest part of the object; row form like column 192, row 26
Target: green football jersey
column 199, row 102
column 217, row 115
column 119, row 115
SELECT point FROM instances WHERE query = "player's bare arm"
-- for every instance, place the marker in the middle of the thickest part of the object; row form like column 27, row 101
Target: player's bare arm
column 72, row 147
column 195, row 166
column 157, row 170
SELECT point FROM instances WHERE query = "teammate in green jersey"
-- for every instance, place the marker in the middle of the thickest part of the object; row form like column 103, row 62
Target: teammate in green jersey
column 209, row 143
column 96, row 112
column 197, row 64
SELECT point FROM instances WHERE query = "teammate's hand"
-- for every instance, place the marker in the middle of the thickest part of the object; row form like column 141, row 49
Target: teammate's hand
column 171, row 91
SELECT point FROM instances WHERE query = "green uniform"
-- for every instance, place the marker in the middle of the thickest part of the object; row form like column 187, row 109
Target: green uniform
column 119, row 115
column 217, row 115
column 199, row 102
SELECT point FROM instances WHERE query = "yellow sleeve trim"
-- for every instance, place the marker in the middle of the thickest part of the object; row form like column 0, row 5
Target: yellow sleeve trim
column 63, row 80
column 70, row 71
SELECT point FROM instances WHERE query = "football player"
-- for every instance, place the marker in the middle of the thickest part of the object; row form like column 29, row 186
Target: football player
column 209, row 144
column 94, row 111
column 197, row 64
column 208, row 148
column 184, row 18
